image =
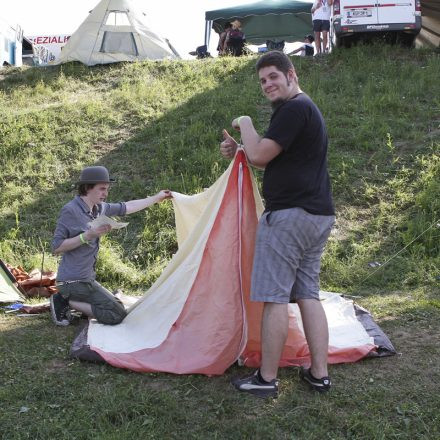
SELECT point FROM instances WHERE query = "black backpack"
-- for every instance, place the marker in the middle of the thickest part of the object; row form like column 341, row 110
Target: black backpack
column 275, row 45
column 201, row 52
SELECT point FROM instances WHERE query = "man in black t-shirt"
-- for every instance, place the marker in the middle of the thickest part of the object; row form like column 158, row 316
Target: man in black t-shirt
column 295, row 226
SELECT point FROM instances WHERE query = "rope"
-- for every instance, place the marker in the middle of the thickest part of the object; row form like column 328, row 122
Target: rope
column 437, row 223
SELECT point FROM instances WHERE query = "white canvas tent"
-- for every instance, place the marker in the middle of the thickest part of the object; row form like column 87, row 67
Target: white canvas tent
column 8, row 291
column 197, row 316
column 114, row 31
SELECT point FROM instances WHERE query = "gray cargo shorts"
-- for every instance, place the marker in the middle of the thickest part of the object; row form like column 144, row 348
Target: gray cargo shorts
column 287, row 258
column 105, row 307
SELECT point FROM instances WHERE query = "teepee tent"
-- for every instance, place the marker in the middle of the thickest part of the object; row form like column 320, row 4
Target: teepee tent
column 114, row 31
column 8, row 291
column 197, row 317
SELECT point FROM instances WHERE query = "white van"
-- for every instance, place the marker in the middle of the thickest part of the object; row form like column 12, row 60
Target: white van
column 352, row 19
column 15, row 49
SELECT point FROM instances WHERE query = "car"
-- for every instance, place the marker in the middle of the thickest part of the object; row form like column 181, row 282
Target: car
column 393, row 19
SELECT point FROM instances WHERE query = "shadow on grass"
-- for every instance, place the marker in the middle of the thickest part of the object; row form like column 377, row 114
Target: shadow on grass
column 31, row 76
column 177, row 150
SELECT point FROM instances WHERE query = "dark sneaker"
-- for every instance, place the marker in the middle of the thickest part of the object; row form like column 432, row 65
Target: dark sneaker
column 321, row 385
column 73, row 315
column 58, row 309
column 253, row 385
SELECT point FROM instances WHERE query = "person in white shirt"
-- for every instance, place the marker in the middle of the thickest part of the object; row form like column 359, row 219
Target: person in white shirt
column 307, row 48
column 321, row 11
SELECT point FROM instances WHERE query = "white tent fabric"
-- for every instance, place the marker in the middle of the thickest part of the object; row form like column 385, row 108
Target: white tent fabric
column 197, row 317
column 150, row 319
column 114, row 31
column 344, row 328
column 8, row 292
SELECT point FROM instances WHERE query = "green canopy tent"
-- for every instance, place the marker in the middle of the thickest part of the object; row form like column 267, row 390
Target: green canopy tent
column 276, row 20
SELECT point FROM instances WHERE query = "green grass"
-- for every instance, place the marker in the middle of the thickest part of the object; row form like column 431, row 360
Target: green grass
column 158, row 125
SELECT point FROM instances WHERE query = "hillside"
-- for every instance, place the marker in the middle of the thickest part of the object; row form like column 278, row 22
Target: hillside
column 158, row 125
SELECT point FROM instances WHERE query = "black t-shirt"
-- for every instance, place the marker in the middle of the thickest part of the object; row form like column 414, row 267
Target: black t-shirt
column 298, row 176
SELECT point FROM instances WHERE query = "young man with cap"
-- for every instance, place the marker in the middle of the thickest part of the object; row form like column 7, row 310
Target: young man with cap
column 78, row 243
column 295, row 226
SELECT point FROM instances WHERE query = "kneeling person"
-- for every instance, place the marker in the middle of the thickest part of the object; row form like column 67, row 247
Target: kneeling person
column 78, row 243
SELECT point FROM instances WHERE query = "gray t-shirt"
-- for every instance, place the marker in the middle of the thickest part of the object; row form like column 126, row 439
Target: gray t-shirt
column 79, row 263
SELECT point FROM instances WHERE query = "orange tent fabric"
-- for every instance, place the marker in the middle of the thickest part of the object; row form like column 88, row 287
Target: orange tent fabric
column 210, row 332
column 204, row 321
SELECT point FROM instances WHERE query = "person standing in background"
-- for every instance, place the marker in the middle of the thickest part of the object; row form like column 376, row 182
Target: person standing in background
column 321, row 12
column 221, row 48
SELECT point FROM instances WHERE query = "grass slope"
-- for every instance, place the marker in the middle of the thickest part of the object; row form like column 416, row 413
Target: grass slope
column 158, row 125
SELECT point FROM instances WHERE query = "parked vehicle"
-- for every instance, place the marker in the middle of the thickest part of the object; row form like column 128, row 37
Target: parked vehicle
column 394, row 19
column 15, row 49
column 10, row 45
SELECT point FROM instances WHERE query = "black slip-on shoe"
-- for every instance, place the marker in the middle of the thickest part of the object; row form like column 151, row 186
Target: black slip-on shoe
column 252, row 385
column 321, row 385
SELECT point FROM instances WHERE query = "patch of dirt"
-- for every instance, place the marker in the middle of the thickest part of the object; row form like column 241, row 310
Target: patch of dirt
column 347, row 222
column 415, row 338
column 158, row 384
column 56, row 365
column 418, row 347
column 103, row 148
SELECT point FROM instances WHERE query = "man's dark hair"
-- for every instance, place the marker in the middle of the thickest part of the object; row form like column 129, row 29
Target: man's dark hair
column 83, row 188
column 277, row 59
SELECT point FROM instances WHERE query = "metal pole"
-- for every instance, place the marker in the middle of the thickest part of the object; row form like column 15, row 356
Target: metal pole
column 208, row 24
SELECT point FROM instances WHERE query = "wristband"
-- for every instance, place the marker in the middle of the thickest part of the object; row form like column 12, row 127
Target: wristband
column 82, row 239
column 239, row 119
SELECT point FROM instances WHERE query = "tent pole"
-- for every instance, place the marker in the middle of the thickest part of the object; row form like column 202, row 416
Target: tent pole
column 208, row 24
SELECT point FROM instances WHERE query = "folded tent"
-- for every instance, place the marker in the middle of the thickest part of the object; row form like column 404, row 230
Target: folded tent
column 197, row 316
